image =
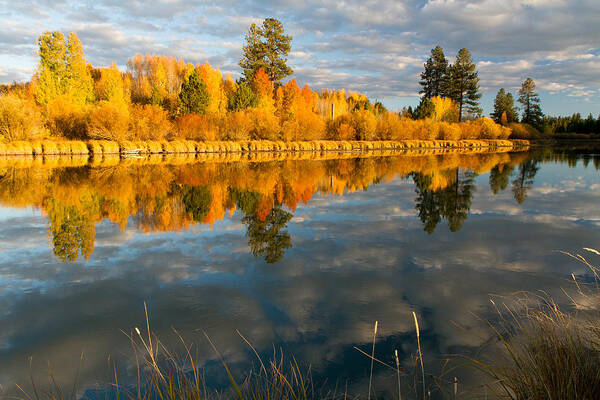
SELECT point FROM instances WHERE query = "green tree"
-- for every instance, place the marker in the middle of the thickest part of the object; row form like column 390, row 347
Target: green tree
column 193, row 97
column 434, row 78
column 530, row 100
column 267, row 47
column 243, row 97
column 197, row 201
column 504, row 104
column 464, row 84
column 499, row 177
column 267, row 238
column 425, row 109
column 452, row 202
column 524, row 180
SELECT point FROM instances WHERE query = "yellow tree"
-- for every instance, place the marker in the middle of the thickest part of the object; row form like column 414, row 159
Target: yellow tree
column 51, row 75
column 79, row 84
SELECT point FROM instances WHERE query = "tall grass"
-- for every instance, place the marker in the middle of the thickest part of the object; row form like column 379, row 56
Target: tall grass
column 548, row 352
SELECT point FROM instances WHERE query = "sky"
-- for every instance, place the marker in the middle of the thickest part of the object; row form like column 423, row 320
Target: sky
column 376, row 47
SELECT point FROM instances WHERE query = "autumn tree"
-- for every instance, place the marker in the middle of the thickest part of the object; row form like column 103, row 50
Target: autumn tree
column 505, row 111
column 464, row 84
column 79, row 84
column 435, row 79
column 193, row 97
column 530, row 100
column 267, row 47
column 51, row 73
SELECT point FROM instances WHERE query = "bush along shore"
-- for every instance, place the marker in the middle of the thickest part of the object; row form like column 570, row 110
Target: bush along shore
column 98, row 147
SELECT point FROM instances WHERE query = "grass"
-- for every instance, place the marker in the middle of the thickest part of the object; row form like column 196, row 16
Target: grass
column 548, row 352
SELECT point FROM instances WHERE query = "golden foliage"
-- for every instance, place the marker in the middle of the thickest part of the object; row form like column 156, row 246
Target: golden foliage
column 67, row 119
column 148, row 122
column 19, row 118
column 196, row 127
column 109, row 121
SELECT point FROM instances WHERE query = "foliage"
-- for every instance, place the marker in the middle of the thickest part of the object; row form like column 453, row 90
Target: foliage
column 425, row 109
column 523, row 131
column 505, row 111
column 194, row 96
column 109, row 85
column 266, row 47
column 109, row 121
column 67, row 119
column 435, row 78
column 237, row 126
column 444, row 109
column 148, row 122
column 196, row 127
column 62, row 69
column 464, row 84
column 243, row 97
column 529, row 99
column 19, row 118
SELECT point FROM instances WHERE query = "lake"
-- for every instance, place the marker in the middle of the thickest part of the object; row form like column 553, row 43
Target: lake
column 302, row 255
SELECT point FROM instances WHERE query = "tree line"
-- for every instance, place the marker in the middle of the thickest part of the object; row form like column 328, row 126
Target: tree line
column 164, row 98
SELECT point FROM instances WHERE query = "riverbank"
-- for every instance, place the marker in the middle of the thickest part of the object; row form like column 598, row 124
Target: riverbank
column 101, row 147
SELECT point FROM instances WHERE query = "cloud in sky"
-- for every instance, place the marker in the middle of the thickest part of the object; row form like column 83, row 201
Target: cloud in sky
column 377, row 47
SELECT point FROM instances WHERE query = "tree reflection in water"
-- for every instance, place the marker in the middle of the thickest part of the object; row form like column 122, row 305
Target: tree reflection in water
column 167, row 196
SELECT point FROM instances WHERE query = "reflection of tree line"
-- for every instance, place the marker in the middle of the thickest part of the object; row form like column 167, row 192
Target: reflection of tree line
column 161, row 198
column 453, row 202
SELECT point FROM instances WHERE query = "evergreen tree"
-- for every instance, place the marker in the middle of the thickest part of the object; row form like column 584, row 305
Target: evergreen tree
column 243, row 97
column 193, row 97
column 425, row 109
column 434, row 78
column 532, row 112
column 267, row 47
column 524, row 180
column 504, row 107
column 464, row 84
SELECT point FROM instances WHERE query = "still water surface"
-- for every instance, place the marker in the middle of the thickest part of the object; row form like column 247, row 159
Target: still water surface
column 302, row 255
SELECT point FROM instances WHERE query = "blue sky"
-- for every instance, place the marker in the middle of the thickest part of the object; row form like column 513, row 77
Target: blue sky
column 375, row 47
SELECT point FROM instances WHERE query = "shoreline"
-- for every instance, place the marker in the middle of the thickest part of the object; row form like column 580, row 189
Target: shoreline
column 139, row 148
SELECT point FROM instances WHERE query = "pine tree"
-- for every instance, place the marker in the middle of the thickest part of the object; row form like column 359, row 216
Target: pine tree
column 464, row 84
column 243, row 97
column 532, row 112
column 193, row 97
column 504, row 108
column 267, row 47
column 434, row 78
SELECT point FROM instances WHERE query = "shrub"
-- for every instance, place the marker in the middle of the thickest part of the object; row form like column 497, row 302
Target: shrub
column 66, row 119
column 449, row 131
column 523, row 131
column 109, row 121
column 310, row 125
column 237, row 126
column 265, row 125
column 19, row 118
column 364, row 123
column 388, row 124
column 489, row 129
column 196, row 127
column 148, row 122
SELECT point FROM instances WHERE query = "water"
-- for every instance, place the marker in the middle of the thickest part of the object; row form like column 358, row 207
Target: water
column 302, row 255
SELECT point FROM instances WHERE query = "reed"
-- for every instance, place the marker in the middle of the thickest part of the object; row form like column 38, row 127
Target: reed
column 548, row 352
